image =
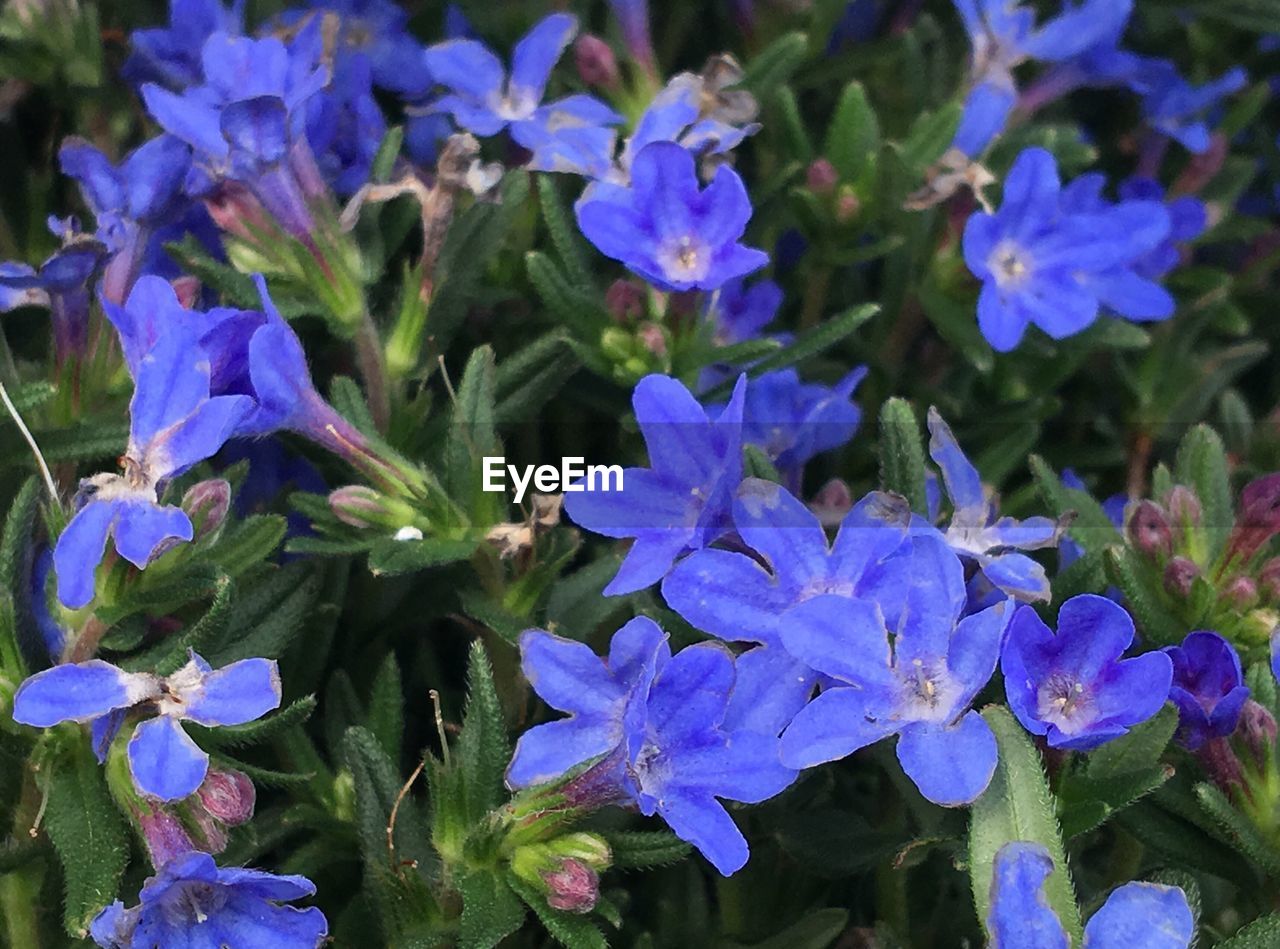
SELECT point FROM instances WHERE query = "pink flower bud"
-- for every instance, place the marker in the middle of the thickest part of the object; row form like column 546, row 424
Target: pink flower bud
column 1149, row 530
column 228, row 796
column 165, row 836
column 1258, row 730
column 625, row 301
column 573, row 887
column 597, row 66
column 207, row 503
column 1179, row 575
column 653, row 339
column 1269, row 580
column 357, row 505
column 822, row 177
column 832, row 502
column 1183, row 506
column 847, row 206
column 1241, row 593
column 188, row 290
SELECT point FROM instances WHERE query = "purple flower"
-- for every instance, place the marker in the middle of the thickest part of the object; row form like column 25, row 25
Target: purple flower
column 739, row 598
column 1003, row 35
column 164, row 761
column 1073, row 687
column 378, row 30
column 139, row 206
column 655, row 722
column 62, row 285
column 571, row 134
column 918, row 684
column 193, row 902
column 1177, row 108
column 1136, row 915
column 633, row 18
column 170, row 56
column 682, row 501
column 739, row 312
column 977, row 534
column 668, row 230
column 792, row 421
column 1208, row 688
column 174, row 423
column 1042, row 263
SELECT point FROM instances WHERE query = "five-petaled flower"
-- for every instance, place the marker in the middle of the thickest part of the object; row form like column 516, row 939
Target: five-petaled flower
column 918, row 685
column 655, row 723
column 164, row 761
column 192, row 901
column 571, row 134
column 1043, row 264
column 681, row 502
column 666, row 228
column 1072, row 686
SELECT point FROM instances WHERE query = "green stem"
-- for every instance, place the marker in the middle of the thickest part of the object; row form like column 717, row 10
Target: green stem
column 20, row 888
column 815, row 297
column 373, row 370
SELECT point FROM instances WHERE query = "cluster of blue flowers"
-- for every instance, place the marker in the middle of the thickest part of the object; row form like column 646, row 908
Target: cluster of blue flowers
column 824, row 627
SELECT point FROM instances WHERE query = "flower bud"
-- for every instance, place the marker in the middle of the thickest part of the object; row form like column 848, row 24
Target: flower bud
column 832, row 502
column 356, row 505
column 1149, row 531
column 1184, row 507
column 1241, row 593
column 848, row 204
column 1179, row 575
column 597, row 66
column 1269, row 580
column 625, row 301
column 1257, row 729
column 164, row 834
column 821, row 177
column 207, row 503
column 572, row 888
column 228, row 796
column 653, row 339
column 1222, row 765
column 188, row 290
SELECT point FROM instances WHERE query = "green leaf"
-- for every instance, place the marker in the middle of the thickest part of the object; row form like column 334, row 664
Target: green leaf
column 1090, row 527
column 472, row 434
column 756, row 464
column 1239, row 829
column 245, row 544
column 817, row 930
column 578, row 309
column 565, row 236
column 15, row 571
column 1263, row 933
column 775, row 64
column 1142, row 586
column 1018, row 805
column 528, row 379
column 1087, row 802
column 170, row 654
column 571, row 931
column 1139, row 750
column 271, row 615
column 930, row 135
column 902, row 468
column 346, row 396
column 481, row 606
column 482, row 750
column 576, row 607
column 389, row 557
column 853, row 138
column 490, row 910
column 255, row 733
column 1202, row 465
column 641, row 849
column 386, row 708
column 87, row 832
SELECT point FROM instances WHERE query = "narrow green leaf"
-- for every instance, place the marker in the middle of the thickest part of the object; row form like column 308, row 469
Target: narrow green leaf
column 1202, row 465
column 565, row 237
column 775, row 64
column 88, row 834
column 641, row 849
column 1140, row 749
column 390, row 557
column 853, row 138
column 482, row 750
column 902, row 469
column 1141, row 584
column 490, row 911
column 1018, row 805
column 386, row 708
column 268, row 617
column 255, row 733
column 1239, row 828
column 170, row 653
column 1263, row 933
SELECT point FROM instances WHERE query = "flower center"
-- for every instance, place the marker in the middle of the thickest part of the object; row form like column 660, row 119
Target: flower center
column 194, row 903
column 685, row 259
column 929, row 692
column 1009, row 263
column 1063, row 701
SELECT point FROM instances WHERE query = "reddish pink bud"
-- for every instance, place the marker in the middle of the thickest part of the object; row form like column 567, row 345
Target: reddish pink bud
column 1179, row 575
column 597, row 66
column 1259, row 518
column 847, row 206
column 356, row 505
column 625, row 301
column 1258, row 729
column 832, row 502
column 822, row 177
column 207, row 503
column 1149, row 530
column 572, row 888
column 653, row 339
column 188, row 290
column 1269, row 580
column 228, row 796
column 1241, row 593
column 165, row 836
column 1184, row 507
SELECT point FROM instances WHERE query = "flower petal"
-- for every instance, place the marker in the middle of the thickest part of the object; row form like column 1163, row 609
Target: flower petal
column 79, row 692
column 235, row 694
column 1020, row 915
column 951, row 765
column 1142, row 916
column 164, row 761
column 835, row 724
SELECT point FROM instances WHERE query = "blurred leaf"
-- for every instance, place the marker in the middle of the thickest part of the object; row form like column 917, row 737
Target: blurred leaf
column 902, row 467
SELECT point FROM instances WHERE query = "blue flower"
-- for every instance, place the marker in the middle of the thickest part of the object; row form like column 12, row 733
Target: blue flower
column 1004, row 34
column 139, row 207
column 1073, row 687
column 193, row 902
column 792, row 421
column 1175, row 107
column 977, row 534
column 62, row 285
column 741, row 598
column 633, row 18
column 1208, row 688
column 164, row 761
column 571, row 134
column 668, row 230
column 1042, row 264
column 174, row 423
column 918, row 684
column 378, row 30
column 1134, row 916
column 655, row 722
column 170, row 56
column 738, row 312
column 682, row 501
